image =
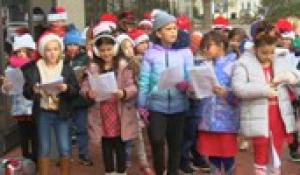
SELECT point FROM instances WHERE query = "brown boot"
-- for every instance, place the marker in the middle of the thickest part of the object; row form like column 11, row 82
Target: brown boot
column 43, row 166
column 65, row 166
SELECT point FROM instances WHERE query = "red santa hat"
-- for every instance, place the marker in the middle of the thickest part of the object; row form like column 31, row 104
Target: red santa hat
column 102, row 27
column 45, row 39
column 183, row 23
column 128, row 16
column 138, row 36
column 147, row 21
column 221, row 22
column 57, row 13
column 285, row 28
column 110, row 20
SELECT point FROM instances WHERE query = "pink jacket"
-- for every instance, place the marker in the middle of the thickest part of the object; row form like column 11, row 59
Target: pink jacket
column 127, row 107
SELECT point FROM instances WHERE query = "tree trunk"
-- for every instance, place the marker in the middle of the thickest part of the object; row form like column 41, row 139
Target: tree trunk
column 207, row 18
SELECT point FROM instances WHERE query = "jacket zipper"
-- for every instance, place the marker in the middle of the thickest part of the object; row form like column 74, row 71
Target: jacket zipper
column 169, row 93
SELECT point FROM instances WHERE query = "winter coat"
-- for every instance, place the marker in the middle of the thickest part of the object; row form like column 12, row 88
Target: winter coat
column 32, row 77
column 126, row 107
column 19, row 104
column 156, row 60
column 78, row 64
column 219, row 114
column 250, row 85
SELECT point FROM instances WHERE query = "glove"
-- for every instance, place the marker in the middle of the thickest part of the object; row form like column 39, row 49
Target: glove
column 285, row 77
column 182, row 86
column 144, row 113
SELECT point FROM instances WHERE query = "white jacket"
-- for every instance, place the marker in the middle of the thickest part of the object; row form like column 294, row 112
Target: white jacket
column 249, row 84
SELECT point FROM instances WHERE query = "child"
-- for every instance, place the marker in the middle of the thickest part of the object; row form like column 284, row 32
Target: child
column 189, row 153
column 118, row 113
column 219, row 125
column 51, row 108
column 21, row 108
column 78, row 60
column 261, row 80
column 166, row 107
column 236, row 39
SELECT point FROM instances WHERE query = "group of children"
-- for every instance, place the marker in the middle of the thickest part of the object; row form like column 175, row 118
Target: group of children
column 255, row 93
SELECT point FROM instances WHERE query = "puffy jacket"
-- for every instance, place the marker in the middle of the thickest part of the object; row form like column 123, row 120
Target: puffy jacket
column 249, row 84
column 157, row 59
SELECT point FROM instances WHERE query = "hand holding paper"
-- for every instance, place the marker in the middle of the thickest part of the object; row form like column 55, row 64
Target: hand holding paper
column 170, row 77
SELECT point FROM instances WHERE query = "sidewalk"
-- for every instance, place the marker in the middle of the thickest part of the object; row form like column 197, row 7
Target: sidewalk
column 244, row 164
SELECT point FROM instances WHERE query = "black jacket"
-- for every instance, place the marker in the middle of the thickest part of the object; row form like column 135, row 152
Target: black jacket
column 32, row 77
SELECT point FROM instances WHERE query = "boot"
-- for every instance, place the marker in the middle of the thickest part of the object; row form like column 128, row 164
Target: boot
column 260, row 170
column 43, row 166
column 65, row 167
column 120, row 174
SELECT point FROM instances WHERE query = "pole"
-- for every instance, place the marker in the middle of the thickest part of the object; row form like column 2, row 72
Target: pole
column 2, row 55
column 30, row 24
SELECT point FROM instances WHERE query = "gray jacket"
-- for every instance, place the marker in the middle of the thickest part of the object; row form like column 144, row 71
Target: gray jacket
column 249, row 85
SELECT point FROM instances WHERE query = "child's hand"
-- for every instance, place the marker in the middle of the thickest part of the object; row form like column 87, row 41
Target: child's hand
column 62, row 87
column 91, row 94
column 144, row 113
column 37, row 89
column 119, row 94
column 220, row 91
column 7, row 86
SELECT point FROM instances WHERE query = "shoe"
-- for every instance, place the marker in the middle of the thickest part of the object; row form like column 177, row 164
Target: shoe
column 84, row 160
column 244, row 145
column 187, row 169
column 201, row 165
column 295, row 156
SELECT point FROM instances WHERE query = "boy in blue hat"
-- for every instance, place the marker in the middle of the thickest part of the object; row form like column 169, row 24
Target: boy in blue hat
column 78, row 60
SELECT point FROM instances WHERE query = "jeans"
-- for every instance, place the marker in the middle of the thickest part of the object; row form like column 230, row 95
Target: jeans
column 79, row 120
column 46, row 121
column 167, row 127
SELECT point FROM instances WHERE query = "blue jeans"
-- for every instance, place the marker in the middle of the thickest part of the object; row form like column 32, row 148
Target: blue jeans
column 46, row 121
column 79, row 120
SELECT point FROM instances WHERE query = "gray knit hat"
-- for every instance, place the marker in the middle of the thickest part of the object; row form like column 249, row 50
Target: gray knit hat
column 161, row 18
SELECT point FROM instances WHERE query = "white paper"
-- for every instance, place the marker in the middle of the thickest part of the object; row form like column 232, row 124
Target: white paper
column 170, row 77
column 203, row 79
column 104, row 85
column 15, row 77
column 51, row 87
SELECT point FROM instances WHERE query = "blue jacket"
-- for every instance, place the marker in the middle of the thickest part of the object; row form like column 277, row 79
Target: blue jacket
column 157, row 59
column 218, row 114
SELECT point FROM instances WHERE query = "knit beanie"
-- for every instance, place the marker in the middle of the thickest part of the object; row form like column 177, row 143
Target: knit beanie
column 73, row 36
column 45, row 39
column 161, row 19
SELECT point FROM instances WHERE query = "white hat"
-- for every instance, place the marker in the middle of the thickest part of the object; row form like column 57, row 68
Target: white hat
column 289, row 35
column 103, row 27
column 23, row 41
column 57, row 13
column 45, row 39
column 145, row 22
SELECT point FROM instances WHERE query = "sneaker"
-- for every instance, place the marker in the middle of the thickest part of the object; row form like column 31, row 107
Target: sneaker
column 84, row 160
column 187, row 169
column 295, row 156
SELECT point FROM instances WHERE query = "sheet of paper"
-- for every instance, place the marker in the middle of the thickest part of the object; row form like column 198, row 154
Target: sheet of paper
column 15, row 77
column 104, row 85
column 51, row 87
column 170, row 77
column 203, row 79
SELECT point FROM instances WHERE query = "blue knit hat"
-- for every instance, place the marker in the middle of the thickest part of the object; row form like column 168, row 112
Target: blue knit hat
column 73, row 36
column 161, row 19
